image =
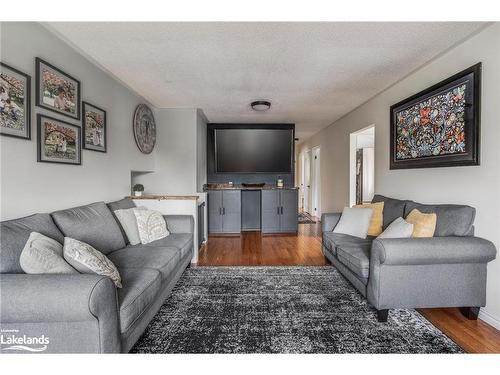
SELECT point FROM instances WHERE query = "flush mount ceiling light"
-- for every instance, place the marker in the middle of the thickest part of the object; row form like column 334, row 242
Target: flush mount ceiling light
column 260, row 105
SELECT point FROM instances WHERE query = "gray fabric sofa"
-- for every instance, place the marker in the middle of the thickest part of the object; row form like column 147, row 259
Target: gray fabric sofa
column 86, row 313
column 447, row 270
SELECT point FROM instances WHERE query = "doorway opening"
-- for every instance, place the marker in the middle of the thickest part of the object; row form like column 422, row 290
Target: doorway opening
column 311, row 182
column 362, row 166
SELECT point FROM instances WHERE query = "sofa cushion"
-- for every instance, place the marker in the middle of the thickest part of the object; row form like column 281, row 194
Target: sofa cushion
column 141, row 287
column 15, row 233
column 162, row 259
column 121, row 204
column 452, row 219
column 333, row 240
column 393, row 208
column 356, row 259
column 93, row 224
column 44, row 255
column 182, row 241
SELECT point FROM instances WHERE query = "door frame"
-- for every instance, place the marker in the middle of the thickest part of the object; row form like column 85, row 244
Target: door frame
column 316, row 181
column 353, row 137
column 307, row 180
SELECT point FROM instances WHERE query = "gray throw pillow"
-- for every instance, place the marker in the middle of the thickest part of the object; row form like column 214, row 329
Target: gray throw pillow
column 354, row 222
column 43, row 255
column 86, row 259
column 128, row 221
column 399, row 228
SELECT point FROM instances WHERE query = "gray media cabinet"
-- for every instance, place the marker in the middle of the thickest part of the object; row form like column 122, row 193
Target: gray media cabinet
column 269, row 210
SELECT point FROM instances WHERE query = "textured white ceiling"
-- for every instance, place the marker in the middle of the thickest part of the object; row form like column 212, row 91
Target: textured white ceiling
column 313, row 73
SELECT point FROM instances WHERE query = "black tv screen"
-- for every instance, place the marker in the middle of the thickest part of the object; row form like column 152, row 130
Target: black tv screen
column 253, row 150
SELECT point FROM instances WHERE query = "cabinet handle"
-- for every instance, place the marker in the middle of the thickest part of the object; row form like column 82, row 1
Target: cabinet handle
column 278, row 209
column 220, row 210
column 223, row 210
column 282, row 210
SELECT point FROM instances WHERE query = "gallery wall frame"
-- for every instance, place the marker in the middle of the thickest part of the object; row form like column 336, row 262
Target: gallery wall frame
column 15, row 117
column 56, row 90
column 59, row 148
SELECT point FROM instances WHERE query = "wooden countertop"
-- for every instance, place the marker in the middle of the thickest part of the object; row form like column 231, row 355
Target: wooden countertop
column 208, row 187
column 166, row 197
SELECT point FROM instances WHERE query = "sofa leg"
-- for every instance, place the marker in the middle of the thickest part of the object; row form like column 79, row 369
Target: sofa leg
column 470, row 313
column 382, row 315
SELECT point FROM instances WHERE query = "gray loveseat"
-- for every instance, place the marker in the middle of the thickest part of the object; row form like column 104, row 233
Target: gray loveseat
column 86, row 313
column 447, row 270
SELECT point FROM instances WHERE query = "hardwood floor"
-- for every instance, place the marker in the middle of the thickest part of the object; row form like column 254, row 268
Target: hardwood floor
column 254, row 249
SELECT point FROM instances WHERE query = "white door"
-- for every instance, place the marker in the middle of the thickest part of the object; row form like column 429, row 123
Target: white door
column 307, row 181
column 315, row 183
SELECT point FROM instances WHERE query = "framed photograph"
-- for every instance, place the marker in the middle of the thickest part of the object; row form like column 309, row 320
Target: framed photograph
column 438, row 127
column 58, row 141
column 15, row 102
column 56, row 90
column 94, row 128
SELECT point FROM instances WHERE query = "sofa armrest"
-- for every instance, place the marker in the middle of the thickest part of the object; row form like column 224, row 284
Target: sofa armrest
column 62, row 299
column 434, row 250
column 329, row 221
column 180, row 223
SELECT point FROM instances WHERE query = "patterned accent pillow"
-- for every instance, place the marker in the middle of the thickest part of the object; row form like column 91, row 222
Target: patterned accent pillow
column 151, row 225
column 43, row 255
column 86, row 259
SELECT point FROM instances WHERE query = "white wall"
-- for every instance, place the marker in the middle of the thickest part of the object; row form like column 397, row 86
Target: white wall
column 478, row 186
column 180, row 166
column 175, row 164
column 28, row 186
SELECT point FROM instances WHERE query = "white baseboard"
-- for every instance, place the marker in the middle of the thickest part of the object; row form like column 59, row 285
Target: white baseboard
column 490, row 319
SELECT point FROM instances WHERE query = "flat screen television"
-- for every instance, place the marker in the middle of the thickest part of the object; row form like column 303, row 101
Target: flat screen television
column 255, row 150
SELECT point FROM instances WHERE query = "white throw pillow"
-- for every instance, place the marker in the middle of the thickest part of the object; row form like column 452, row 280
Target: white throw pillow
column 354, row 222
column 87, row 259
column 399, row 228
column 151, row 225
column 128, row 222
column 42, row 254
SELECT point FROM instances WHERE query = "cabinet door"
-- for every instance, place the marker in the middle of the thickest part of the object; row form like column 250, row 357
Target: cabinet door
column 270, row 204
column 215, row 211
column 289, row 210
column 231, row 211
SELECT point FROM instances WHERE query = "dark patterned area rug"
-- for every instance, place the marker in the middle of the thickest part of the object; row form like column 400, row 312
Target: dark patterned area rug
column 281, row 310
column 305, row 218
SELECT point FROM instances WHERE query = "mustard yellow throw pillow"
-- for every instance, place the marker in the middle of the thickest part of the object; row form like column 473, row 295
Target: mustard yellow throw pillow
column 377, row 217
column 424, row 225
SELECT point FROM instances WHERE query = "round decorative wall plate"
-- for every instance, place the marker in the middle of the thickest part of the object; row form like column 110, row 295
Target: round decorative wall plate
column 144, row 128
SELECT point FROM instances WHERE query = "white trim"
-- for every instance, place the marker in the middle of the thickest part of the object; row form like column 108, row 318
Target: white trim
column 490, row 319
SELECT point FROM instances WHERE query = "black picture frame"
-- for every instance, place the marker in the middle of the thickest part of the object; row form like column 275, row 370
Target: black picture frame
column 39, row 99
column 27, row 106
column 40, row 159
column 84, row 128
column 472, row 112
